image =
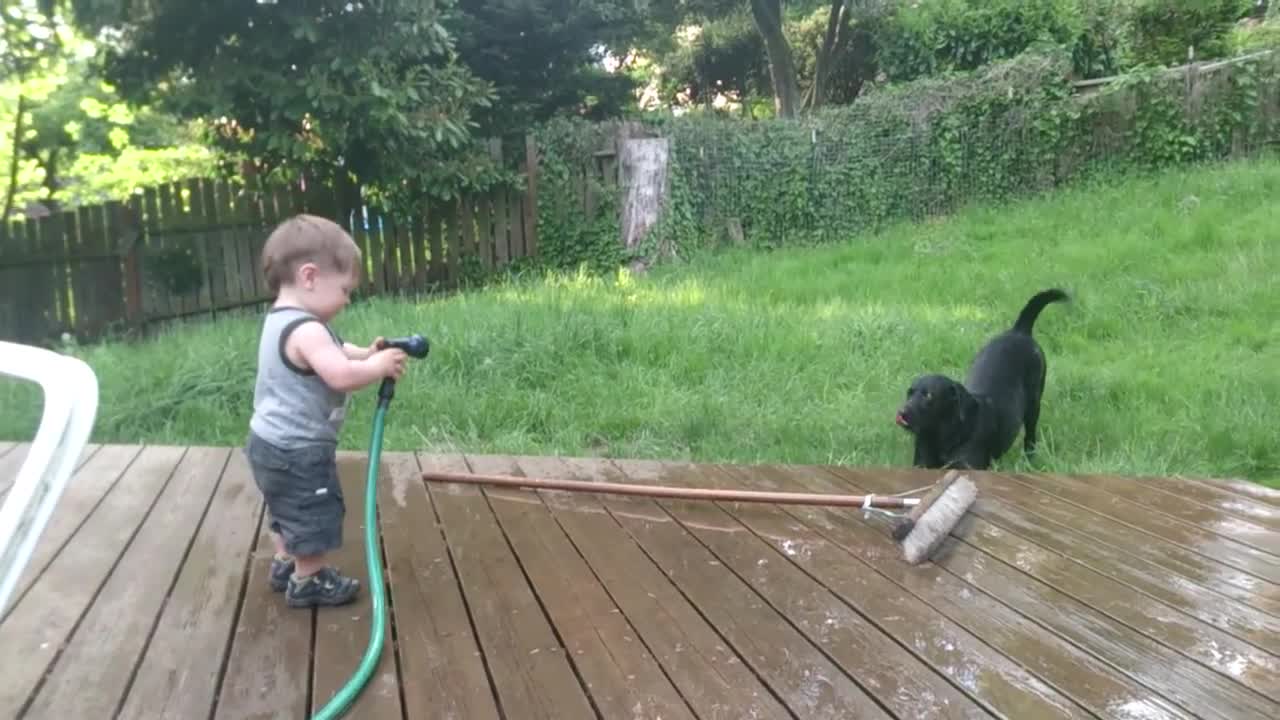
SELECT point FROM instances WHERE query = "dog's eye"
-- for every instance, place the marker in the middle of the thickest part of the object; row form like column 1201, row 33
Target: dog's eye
column 928, row 395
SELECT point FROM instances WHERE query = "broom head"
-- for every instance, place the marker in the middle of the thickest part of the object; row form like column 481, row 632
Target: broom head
column 938, row 513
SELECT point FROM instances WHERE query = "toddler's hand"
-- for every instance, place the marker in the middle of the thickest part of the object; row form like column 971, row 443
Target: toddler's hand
column 390, row 362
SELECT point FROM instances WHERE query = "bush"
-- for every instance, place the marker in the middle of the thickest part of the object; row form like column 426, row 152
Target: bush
column 1255, row 36
column 921, row 39
column 1162, row 30
column 569, row 236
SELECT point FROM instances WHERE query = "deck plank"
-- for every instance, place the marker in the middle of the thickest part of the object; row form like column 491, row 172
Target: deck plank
column 1245, row 489
column 34, row 633
column 11, row 464
column 1235, row 659
column 623, row 678
column 1257, row 563
column 1197, row 688
column 93, row 672
column 1227, row 614
column 342, row 633
column 1077, row 673
column 1023, row 578
column 1002, row 686
column 534, row 679
column 899, row 680
column 1218, row 497
column 811, row 684
column 443, row 671
column 268, row 668
column 97, row 474
column 178, row 677
column 1170, row 504
column 715, row 681
column 1200, row 641
column 1056, row 597
column 1183, row 563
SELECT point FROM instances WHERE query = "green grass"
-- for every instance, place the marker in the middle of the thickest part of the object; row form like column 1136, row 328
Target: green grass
column 1167, row 362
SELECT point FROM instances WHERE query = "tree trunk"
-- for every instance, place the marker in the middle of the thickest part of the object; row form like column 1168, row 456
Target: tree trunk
column 644, row 180
column 786, row 89
column 13, row 163
column 822, row 60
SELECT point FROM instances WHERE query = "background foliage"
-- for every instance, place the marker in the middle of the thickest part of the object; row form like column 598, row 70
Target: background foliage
column 919, row 149
column 1164, row 30
column 569, row 235
column 331, row 88
column 67, row 138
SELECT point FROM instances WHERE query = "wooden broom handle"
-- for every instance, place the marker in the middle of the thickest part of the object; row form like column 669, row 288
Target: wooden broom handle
column 726, row 495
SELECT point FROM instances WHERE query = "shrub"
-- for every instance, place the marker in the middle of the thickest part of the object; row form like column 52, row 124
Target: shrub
column 921, row 39
column 1162, row 30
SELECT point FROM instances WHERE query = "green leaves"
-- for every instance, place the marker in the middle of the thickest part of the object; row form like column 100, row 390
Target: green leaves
column 1163, row 30
column 325, row 88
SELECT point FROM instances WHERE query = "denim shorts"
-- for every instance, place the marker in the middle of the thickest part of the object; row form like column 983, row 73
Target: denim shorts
column 302, row 493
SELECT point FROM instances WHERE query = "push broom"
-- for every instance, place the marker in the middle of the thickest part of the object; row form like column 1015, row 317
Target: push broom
column 919, row 532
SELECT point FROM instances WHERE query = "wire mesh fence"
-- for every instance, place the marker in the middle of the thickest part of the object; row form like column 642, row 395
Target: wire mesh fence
column 825, row 179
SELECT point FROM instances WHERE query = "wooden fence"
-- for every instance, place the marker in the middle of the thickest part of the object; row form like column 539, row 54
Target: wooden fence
column 193, row 248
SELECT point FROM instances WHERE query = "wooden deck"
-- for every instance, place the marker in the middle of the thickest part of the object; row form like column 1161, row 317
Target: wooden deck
column 1056, row 597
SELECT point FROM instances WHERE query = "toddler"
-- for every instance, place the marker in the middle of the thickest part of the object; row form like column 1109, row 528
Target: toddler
column 305, row 375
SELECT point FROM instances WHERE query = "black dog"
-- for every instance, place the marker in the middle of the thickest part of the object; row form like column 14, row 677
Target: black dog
column 969, row 426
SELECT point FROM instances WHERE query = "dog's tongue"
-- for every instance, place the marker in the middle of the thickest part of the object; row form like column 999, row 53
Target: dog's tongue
column 900, row 420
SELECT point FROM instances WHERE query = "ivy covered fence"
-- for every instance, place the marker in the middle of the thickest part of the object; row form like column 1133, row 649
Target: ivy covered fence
column 924, row 148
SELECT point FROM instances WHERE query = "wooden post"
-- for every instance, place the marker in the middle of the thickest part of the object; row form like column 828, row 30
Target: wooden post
column 421, row 263
column 436, row 271
column 123, row 238
column 1193, row 70
column 134, row 229
column 453, row 236
column 531, row 196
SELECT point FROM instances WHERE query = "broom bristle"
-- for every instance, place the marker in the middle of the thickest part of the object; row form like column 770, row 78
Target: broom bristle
column 937, row 520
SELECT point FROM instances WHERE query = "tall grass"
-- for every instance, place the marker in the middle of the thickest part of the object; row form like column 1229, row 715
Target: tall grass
column 1166, row 362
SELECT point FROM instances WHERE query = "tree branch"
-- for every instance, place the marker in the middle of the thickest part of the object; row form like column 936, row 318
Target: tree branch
column 822, row 60
column 13, row 162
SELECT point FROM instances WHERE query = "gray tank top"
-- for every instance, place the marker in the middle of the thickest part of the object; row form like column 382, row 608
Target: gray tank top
column 292, row 407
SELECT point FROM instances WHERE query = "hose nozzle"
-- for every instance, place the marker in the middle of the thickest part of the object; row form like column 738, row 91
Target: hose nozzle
column 415, row 346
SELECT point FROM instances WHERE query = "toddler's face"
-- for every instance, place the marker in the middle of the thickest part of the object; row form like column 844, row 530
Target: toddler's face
column 329, row 292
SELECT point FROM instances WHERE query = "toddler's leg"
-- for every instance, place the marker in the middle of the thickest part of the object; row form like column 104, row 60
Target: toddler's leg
column 315, row 532
column 278, row 541
column 270, row 466
column 282, row 563
column 305, row 506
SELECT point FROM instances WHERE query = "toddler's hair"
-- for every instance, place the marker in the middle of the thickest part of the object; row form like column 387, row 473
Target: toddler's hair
column 306, row 238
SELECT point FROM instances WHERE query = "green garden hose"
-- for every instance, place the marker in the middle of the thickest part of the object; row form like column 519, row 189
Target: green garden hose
column 415, row 346
column 348, row 693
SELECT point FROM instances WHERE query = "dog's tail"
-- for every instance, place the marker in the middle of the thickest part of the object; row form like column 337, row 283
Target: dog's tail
column 1027, row 318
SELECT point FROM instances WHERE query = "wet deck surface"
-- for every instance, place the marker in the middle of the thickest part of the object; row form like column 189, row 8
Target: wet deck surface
column 1056, row 597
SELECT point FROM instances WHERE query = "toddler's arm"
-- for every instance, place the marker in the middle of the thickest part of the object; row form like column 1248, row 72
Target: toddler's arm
column 355, row 352
column 311, row 346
